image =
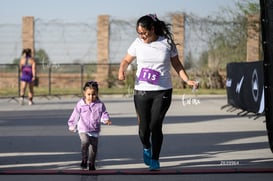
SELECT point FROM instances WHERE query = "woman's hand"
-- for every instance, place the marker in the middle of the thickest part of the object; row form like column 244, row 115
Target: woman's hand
column 121, row 75
column 194, row 84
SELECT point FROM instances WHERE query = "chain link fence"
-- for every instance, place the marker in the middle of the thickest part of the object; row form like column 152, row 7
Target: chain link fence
column 69, row 53
column 61, row 79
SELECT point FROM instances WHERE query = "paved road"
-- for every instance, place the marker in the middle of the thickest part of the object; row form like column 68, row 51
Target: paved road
column 202, row 141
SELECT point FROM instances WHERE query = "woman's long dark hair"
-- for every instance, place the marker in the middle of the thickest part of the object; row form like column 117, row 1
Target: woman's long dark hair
column 160, row 27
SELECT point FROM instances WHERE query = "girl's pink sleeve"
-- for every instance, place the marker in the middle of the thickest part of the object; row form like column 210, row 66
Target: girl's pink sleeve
column 73, row 119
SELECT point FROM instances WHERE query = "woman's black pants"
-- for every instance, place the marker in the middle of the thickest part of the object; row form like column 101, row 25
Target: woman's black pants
column 151, row 108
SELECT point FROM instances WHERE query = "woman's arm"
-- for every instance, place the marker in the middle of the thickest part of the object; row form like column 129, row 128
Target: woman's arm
column 179, row 68
column 126, row 61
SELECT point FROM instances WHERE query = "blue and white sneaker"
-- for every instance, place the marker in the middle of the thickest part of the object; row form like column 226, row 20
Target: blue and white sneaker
column 154, row 165
column 147, row 155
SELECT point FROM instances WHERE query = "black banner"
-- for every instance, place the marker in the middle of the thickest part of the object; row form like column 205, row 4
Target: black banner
column 245, row 86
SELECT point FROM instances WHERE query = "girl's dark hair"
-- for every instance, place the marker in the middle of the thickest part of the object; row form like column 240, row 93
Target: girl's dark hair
column 27, row 51
column 160, row 27
column 91, row 84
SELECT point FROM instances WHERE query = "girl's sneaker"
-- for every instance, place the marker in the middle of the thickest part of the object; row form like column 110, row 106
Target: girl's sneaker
column 84, row 164
column 154, row 165
column 92, row 167
column 147, row 155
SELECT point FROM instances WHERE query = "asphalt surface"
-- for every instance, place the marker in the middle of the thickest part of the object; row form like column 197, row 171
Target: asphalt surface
column 203, row 140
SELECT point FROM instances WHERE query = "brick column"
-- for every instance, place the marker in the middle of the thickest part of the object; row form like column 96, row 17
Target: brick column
column 28, row 33
column 179, row 33
column 253, row 38
column 103, row 28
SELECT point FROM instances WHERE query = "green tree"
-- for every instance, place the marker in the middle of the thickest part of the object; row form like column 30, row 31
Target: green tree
column 41, row 57
column 226, row 38
column 228, row 34
column 249, row 7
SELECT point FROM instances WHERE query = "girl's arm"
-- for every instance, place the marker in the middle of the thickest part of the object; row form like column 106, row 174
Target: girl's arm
column 105, row 118
column 20, row 65
column 33, row 69
column 73, row 120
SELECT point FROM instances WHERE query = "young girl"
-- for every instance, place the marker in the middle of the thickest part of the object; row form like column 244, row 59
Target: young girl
column 28, row 72
column 86, row 117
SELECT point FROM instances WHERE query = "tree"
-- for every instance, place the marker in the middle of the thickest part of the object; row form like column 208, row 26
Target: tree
column 228, row 34
column 226, row 39
column 249, row 7
column 41, row 57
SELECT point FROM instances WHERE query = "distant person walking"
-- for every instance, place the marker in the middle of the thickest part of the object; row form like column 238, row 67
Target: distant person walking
column 155, row 52
column 28, row 72
column 86, row 118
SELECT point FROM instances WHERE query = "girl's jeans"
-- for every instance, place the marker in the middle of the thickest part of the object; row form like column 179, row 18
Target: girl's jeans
column 89, row 147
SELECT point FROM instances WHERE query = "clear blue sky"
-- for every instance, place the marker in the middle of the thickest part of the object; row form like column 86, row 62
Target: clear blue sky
column 81, row 10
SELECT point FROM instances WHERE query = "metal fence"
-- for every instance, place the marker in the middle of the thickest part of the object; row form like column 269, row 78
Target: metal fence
column 60, row 79
column 70, row 48
column 76, row 42
column 68, row 79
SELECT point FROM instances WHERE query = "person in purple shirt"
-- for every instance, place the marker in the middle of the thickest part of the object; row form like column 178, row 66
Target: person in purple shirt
column 28, row 72
column 86, row 118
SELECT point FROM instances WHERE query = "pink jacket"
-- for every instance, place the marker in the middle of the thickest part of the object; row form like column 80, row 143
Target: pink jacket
column 87, row 118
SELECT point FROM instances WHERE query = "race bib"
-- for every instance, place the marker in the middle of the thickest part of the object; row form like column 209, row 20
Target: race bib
column 149, row 75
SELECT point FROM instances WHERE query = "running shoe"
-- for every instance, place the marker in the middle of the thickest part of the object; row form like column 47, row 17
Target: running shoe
column 147, row 156
column 154, row 165
column 92, row 167
column 84, row 164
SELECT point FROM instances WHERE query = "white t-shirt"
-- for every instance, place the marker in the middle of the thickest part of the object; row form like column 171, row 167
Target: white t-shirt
column 153, row 64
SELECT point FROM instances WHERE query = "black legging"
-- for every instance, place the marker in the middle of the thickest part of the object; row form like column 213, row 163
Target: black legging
column 151, row 107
